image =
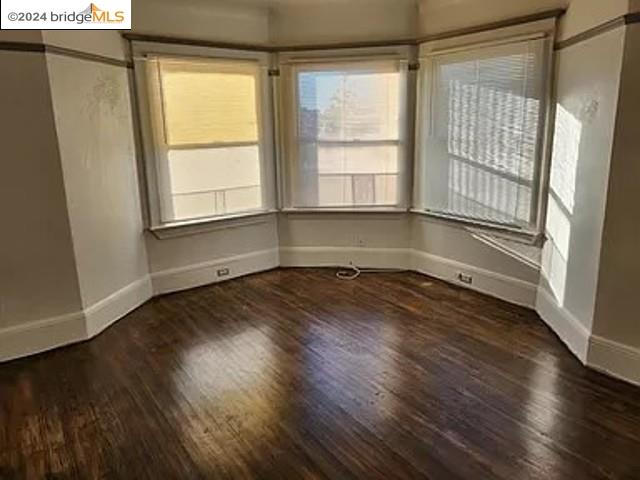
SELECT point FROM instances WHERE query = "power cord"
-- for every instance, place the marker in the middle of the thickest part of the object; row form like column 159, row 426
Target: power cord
column 351, row 272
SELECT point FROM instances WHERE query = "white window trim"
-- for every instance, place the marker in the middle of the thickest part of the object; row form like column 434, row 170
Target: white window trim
column 187, row 228
column 540, row 29
column 140, row 50
column 287, row 122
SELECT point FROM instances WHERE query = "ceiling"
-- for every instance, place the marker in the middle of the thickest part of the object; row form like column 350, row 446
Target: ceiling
column 298, row 3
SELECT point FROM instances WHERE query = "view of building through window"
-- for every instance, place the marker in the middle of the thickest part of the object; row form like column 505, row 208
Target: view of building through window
column 348, row 136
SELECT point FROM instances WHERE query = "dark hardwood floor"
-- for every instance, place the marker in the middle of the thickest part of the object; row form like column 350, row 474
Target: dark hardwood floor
column 294, row 374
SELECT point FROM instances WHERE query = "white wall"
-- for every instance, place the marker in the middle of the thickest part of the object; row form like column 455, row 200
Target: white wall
column 587, row 83
column 220, row 243
column 367, row 240
column 378, row 240
column 616, row 316
column 95, row 133
column 37, row 267
column 193, row 257
column 454, row 242
column 367, row 230
column 317, row 22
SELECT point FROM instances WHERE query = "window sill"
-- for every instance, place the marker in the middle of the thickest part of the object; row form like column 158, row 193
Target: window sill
column 521, row 245
column 350, row 210
column 530, row 255
column 524, row 236
column 209, row 224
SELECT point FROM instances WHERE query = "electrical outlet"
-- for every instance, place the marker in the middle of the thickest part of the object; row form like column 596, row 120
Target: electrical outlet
column 464, row 278
column 223, row 272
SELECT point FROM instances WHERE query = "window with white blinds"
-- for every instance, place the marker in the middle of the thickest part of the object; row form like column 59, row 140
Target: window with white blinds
column 480, row 128
column 346, row 146
column 207, row 136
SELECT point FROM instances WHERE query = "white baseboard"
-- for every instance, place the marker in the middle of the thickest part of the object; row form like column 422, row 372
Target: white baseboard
column 610, row 357
column 615, row 359
column 501, row 286
column 507, row 288
column 176, row 279
column 570, row 330
column 102, row 314
column 39, row 336
column 607, row 356
column 336, row 256
column 42, row 335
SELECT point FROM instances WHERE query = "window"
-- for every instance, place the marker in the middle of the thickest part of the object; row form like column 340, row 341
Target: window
column 480, row 130
column 208, row 147
column 346, row 145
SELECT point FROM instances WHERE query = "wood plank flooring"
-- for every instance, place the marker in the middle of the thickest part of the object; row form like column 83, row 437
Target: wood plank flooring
column 294, row 374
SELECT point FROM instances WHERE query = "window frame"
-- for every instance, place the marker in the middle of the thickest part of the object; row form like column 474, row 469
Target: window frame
column 289, row 160
column 153, row 156
column 429, row 50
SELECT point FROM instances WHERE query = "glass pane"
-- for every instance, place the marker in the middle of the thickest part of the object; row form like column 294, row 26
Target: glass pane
column 357, row 158
column 349, row 119
column 477, row 193
column 208, row 102
column 334, row 190
column 480, row 151
column 194, row 205
column 348, row 175
column 348, row 105
column 364, row 190
column 386, row 189
column 214, row 181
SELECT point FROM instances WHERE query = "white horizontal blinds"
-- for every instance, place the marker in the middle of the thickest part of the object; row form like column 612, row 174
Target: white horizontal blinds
column 480, row 150
column 349, row 148
column 210, row 157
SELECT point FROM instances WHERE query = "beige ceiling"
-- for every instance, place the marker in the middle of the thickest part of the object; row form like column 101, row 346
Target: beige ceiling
column 294, row 3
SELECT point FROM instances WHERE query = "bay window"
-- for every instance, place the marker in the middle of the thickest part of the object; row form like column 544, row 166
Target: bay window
column 345, row 131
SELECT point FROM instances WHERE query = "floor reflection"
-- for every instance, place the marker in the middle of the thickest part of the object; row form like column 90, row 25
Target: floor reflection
column 228, row 390
column 365, row 374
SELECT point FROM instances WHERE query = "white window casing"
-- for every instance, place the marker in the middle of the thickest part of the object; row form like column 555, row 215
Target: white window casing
column 207, row 133
column 482, row 132
column 346, row 125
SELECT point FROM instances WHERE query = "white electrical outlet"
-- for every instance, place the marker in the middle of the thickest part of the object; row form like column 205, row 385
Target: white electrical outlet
column 223, row 272
column 465, row 278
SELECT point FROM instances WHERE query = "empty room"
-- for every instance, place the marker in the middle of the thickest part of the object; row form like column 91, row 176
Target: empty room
column 320, row 239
